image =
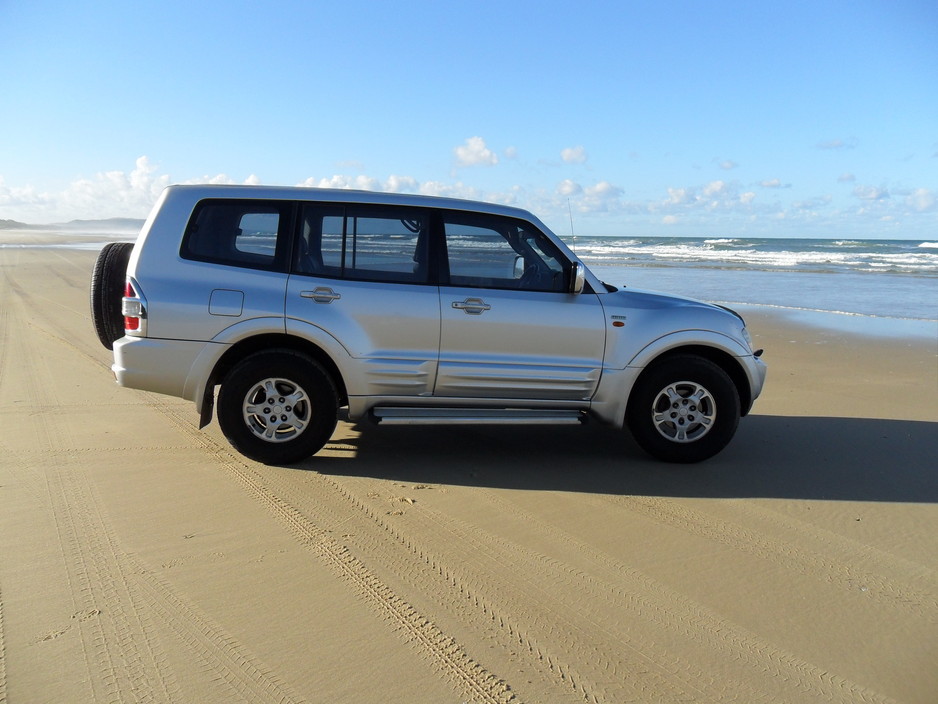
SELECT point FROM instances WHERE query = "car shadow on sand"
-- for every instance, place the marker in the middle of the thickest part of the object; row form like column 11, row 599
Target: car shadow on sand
column 847, row 459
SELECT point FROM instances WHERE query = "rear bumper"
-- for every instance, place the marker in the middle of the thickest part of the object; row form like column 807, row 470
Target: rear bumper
column 160, row 366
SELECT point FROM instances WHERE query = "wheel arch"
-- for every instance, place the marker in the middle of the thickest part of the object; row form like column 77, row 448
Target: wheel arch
column 263, row 343
column 720, row 357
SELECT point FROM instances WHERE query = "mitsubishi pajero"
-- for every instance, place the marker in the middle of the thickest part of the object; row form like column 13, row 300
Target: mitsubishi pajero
column 295, row 303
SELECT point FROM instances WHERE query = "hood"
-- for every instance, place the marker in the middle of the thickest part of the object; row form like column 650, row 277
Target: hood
column 639, row 299
column 663, row 312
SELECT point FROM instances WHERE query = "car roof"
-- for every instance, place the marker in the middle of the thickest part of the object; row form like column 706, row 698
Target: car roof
column 343, row 195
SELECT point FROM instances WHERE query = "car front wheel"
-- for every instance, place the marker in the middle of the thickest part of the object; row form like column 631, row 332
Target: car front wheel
column 683, row 409
column 277, row 407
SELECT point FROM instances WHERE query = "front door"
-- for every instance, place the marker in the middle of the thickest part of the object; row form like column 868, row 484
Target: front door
column 509, row 328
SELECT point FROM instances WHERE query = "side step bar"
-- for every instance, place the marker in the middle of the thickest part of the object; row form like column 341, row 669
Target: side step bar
column 476, row 416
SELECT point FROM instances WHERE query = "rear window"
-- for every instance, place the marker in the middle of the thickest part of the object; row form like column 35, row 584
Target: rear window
column 239, row 233
column 368, row 243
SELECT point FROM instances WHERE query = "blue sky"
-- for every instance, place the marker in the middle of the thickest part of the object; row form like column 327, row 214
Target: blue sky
column 815, row 119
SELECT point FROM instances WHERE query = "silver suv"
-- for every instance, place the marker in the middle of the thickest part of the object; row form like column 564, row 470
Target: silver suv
column 295, row 303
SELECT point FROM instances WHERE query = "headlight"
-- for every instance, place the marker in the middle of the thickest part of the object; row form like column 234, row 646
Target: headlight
column 747, row 337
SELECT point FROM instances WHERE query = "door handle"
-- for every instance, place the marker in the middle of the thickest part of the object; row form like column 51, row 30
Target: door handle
column 322, row 294
column 472, row 306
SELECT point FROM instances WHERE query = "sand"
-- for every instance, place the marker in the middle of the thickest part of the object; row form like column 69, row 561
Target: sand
column 143, row 560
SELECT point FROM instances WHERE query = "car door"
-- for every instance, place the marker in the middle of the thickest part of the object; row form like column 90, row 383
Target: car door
column 360, row 276
column 509, row 327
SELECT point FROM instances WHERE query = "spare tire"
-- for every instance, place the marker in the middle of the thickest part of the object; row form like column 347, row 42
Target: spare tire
column 107, row 291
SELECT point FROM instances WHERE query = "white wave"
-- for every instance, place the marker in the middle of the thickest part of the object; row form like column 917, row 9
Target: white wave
column 847, row 258
column 720, row 241
column 929, row 245
column 827, row 311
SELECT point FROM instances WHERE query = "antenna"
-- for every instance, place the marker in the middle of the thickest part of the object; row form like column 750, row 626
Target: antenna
column 572, row 233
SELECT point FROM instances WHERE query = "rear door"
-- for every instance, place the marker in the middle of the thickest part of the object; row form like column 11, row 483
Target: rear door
column 509, row 328
column 361, row 275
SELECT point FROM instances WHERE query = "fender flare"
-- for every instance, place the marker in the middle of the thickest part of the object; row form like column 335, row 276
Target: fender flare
column 688, row 338
column 202, row 377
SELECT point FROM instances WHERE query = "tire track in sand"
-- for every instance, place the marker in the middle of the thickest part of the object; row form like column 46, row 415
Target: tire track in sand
column 674, row 680
column 837, row 565
column 119, row 667
column 120, row 600
column 3, row 653
column 126, row 590
column 611, row 582
column 451, row 658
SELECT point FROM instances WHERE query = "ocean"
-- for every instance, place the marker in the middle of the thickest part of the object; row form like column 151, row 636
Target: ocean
column 871, row 287
column 875, row 287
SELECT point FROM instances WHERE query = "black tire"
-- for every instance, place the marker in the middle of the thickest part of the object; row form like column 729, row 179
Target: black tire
column 683, row 409
column 277, row 429
column 107, row 289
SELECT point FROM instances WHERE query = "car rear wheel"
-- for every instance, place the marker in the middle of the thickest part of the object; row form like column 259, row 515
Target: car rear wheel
column 683, row 409
column 277, row 407
column 107, row 291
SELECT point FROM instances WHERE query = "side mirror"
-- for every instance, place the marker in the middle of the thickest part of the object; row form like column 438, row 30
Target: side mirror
column 577, row 278
column 518, row 269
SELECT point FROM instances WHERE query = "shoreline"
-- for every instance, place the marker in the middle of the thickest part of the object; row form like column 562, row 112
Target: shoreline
column 857, row 325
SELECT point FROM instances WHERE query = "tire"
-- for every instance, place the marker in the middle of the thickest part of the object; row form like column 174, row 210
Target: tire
column 107, row 290
column 683, row 409
column 277, row 407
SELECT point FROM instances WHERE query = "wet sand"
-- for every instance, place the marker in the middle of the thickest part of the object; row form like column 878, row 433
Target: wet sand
column 144, row 560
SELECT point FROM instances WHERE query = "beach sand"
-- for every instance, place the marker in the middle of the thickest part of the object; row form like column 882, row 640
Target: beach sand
column 144, row 560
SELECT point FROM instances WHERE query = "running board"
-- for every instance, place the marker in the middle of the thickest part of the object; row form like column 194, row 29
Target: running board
column 476, row 416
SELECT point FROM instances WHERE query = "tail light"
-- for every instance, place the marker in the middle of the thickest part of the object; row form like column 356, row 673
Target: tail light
column 134, row 310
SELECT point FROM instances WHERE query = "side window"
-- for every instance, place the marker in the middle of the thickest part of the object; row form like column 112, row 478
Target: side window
column 491, row 252
column 238, row 233
column 369, row 243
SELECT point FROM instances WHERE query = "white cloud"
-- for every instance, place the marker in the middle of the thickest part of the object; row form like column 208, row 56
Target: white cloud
column 114, row 192
column 601, row 197
column 922, row 200
column 131, row 193
column 604, row 190
column 850, row 143
column 773, row 183
column 812, row 203
column 574, row 155
column 400, row 184
column 714, row 188
column 728, row 165
column 569, row 188
column 870, row 193
column 362, row 183
column 511, row 152
column 475, row 153
column 846, row 178
column 678, row 196
column 107, row 194
column 16, row 199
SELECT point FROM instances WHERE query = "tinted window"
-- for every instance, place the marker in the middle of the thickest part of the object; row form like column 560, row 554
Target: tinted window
column 239, row 233
column 492, row 252
column 362, row 242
